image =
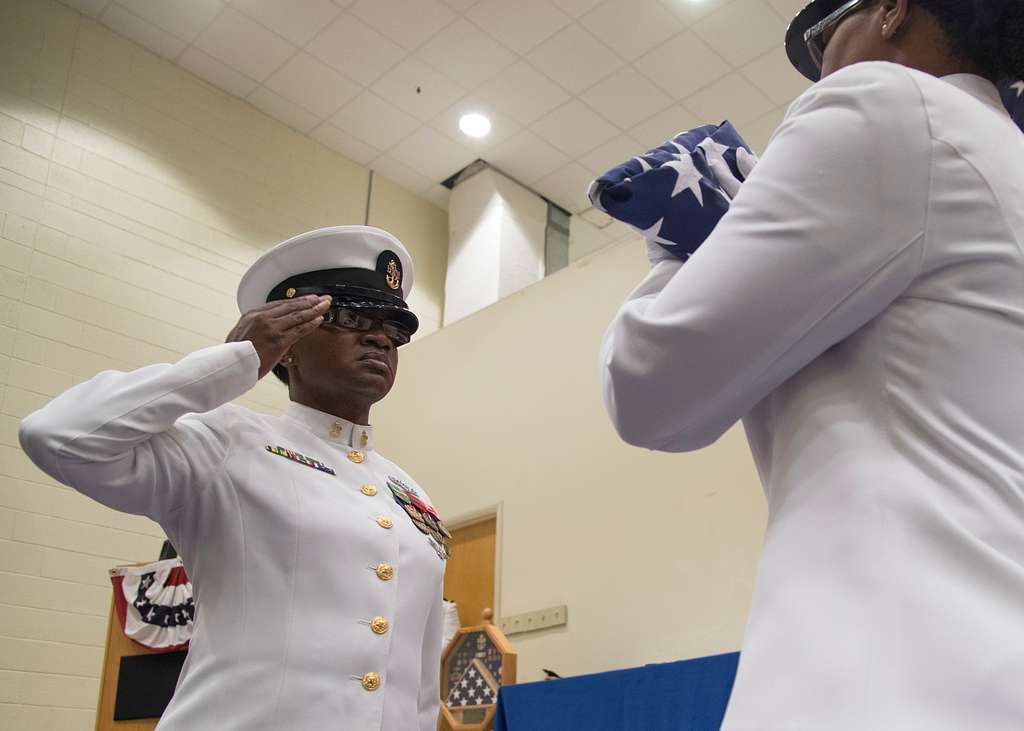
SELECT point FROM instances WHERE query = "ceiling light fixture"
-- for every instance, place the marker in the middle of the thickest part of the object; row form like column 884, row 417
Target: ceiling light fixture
column 475, row 125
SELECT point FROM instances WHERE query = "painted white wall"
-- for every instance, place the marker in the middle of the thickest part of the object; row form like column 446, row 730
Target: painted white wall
column 654, row 554
column 132, row 197
column 496, row 242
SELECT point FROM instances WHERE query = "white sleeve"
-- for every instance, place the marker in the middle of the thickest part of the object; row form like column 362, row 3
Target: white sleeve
column 117, row 437
column 430, row 674
column 823, row 236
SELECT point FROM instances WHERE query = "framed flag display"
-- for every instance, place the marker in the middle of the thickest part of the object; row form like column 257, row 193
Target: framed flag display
column 476, row 664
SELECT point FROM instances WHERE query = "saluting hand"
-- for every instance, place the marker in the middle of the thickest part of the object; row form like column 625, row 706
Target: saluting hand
column 274, row 327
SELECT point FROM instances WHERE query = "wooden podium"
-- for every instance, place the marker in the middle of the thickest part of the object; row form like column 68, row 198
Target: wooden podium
column 118, row 646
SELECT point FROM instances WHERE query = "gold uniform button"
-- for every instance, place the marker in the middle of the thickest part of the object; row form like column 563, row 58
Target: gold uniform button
column 385, row 522
column 356, row 456
column 379, row 625
column 368, row 490
column 385, row 571
column 371, row 681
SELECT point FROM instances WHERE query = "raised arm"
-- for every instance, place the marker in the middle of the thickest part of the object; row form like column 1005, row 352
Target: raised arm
column 824, row 235
column 119, row 437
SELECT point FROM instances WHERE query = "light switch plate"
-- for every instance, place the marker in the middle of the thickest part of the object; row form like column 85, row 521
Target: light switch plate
column 537, row 619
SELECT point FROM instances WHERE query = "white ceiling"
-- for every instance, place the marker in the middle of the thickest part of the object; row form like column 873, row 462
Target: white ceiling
column 572, row 87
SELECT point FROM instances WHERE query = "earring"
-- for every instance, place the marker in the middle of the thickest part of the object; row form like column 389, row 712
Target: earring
column 288, row 360
column 885, row 27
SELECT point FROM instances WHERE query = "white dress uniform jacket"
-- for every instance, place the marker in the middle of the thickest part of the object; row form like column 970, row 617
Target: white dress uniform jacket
column 861, row 306
column 290, row 564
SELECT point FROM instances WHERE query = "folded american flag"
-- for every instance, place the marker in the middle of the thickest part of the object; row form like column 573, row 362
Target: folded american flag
column 1013, row 98
column 671, row 194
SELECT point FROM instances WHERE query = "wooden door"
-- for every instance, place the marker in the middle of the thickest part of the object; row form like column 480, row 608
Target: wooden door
column 469, row 576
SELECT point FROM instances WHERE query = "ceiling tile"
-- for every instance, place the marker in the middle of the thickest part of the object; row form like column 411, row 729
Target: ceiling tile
column 409, row 23
column 430, row 153
column 633, row 27
column 418, row 89
column 567, row 186
column 183, row 18
column 342, row 142
column 283, row 110
column 402, row 174
column 313, row 85
column 523, row 93
column 787, row 9
column 233, row 38
column 520, row 25
column 526, row 157
column 466, row 54
column 220, row 75
column 576, row 8
column 732, row 98
column 663, row 126
column 575, row 128
column 502, row 127
column 374, row 121
column 758, row 132
column 626, row 97
column 574, row 58
column 438, row 195
column 776, row 77
column 296, row 21
column 92, row 8
column 683, row 65
column 355, row 49
column 742, row 30
column 613, row 152
column 142, row 32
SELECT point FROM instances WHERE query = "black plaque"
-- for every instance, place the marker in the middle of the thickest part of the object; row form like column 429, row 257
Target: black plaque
column 145, row 684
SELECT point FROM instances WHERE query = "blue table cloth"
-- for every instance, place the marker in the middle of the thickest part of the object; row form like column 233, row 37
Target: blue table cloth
column 690, row 695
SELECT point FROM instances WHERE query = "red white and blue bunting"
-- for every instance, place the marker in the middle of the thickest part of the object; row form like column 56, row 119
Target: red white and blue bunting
column 154, row 603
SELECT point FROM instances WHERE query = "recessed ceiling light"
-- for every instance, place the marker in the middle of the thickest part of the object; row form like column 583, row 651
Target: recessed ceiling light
column 475, row 125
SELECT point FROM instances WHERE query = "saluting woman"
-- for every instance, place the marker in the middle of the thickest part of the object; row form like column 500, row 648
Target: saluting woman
column 317, row 563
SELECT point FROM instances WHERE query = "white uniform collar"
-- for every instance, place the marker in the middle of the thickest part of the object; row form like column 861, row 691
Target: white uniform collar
column 977, row 86
column 332, row 428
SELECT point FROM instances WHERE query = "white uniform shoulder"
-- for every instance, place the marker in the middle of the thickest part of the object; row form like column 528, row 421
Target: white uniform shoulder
column 873, row 97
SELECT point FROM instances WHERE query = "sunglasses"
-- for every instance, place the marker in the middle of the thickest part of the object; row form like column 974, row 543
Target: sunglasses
column 815, row 36
column 350, row 319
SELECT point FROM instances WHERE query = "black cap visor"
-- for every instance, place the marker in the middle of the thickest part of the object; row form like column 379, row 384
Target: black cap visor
column 796, row 46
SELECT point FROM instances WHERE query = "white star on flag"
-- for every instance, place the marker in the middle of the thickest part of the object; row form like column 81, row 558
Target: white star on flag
column 688, row 178
column 1018, row 87
column 644, row 165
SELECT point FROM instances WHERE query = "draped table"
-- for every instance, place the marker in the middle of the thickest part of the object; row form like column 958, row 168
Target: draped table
column 689, row 695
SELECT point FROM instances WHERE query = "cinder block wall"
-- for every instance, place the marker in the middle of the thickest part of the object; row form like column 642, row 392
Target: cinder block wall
column 132, row 197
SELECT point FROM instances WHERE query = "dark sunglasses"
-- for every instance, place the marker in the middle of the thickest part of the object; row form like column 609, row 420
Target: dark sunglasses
column 351, row 319
column 815, row 36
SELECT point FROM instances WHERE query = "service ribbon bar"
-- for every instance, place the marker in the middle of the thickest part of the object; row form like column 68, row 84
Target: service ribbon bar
column 300, row 458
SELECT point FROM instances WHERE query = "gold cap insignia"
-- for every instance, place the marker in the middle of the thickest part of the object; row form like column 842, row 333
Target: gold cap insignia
column 393, row 278
column 390, row 266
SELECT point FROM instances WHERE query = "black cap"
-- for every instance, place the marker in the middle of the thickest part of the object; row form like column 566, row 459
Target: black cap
column 355, row 288
column 796, row 47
